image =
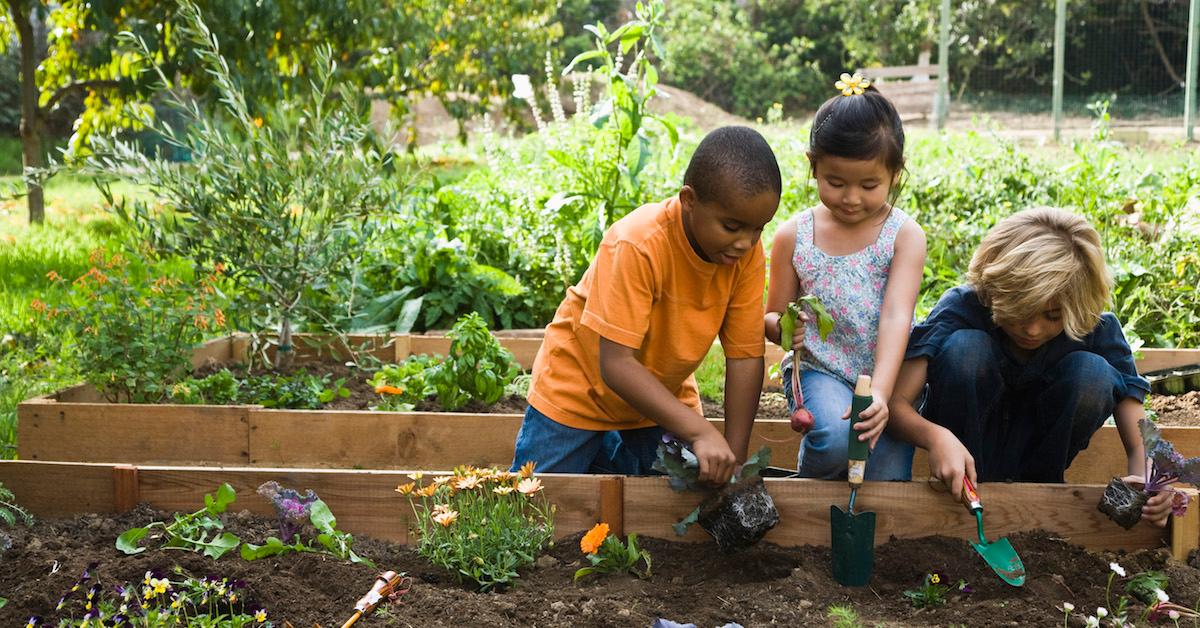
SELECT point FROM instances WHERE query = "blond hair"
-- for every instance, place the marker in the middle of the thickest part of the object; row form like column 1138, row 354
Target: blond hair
column 1039, row 259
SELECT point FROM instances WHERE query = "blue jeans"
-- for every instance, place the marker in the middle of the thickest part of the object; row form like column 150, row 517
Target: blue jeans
column 1022, row 422
column 557, row 448
column 824, row 452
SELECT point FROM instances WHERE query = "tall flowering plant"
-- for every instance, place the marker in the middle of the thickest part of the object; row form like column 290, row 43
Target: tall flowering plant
column 480, row 524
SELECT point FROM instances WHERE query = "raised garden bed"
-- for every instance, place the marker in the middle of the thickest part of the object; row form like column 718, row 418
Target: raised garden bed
column 766, row 584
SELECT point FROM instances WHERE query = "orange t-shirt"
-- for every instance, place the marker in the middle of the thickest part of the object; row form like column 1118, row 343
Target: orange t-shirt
column 646, row 289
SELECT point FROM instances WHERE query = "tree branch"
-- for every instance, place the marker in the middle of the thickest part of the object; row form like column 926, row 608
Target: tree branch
column 78, row 87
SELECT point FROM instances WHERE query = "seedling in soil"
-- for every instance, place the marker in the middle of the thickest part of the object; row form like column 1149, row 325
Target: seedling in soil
column 737, row 515
column 201, row 531
column 932, row 591
column 294, row 511
column 608, row 554
column 1164, row 467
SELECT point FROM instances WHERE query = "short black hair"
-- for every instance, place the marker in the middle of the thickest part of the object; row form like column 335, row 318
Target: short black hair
column 864, row 126
column 733, row 158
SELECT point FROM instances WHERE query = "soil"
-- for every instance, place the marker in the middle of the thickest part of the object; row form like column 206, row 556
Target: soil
column 762, row 585
column 1177, row 409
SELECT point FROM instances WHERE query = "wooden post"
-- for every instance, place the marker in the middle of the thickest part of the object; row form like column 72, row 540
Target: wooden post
column 1189, row 84
column 1185, row 530
column 403, row 346
column 612, row 504
column 126, row 493
column 1060, row 43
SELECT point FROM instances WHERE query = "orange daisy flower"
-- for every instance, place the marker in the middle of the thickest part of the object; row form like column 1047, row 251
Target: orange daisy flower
column 590, row 543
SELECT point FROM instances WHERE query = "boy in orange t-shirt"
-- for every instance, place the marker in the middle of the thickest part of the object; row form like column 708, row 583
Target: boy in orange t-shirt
column 616, row 367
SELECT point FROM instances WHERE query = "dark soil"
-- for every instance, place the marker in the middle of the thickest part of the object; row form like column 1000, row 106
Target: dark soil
column 763, row 585
column 1177, row 409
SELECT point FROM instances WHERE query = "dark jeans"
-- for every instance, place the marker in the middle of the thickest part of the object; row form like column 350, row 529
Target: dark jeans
column 1021, row 422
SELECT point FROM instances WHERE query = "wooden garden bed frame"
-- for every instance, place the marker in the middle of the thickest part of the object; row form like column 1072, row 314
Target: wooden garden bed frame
column 364, row 502
column 80, row 455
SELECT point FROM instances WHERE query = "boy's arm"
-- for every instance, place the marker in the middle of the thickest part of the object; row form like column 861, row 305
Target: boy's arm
column 1127, row 414
column 784, row 285
column 949, row 459
column 640, row 389
column 743, row 387
column 895, row 320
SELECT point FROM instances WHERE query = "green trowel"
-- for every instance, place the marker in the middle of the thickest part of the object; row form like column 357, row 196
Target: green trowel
column 852, row 535
column 999, row 554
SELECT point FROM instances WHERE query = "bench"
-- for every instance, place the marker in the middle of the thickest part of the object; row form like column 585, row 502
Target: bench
column 914, row 98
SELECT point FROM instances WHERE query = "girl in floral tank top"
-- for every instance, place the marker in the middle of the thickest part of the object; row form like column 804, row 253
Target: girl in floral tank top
column 863, row 259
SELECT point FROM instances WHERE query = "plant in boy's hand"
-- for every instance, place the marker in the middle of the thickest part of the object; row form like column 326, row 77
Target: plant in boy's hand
column 738, row 514
column 932, row 591
column 1164, row 467
column 608, row 554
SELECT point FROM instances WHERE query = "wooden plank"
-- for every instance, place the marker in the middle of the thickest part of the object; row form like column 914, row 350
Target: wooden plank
column 898, row 71
column 101, row 432
column 903, row 509
column 612, row 503
column 364, row 501
column 59, row 489
column 380, row 440
column 1159, row 359
column 126, row 493
column 216, row 351
column 1185, row 530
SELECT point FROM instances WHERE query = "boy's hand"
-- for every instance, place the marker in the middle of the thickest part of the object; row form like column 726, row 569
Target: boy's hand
column 873, row 419
column 949, row 461
column 1158, row 508
column 717, row 461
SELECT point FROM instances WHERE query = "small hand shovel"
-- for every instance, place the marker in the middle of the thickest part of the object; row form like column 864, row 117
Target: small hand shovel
column 998, row 554
column 852, row 535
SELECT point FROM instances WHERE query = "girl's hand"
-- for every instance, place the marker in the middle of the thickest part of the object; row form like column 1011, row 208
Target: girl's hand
column 872, row 420
column 798, row 336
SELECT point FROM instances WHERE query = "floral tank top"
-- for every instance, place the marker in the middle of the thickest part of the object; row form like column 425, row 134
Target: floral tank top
column 851, row 287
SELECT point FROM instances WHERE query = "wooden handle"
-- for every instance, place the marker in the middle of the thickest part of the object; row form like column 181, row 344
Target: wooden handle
column 971, row 496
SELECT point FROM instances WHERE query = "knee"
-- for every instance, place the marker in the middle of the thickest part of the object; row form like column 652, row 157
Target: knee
column 968, row 354
column 1087, row 380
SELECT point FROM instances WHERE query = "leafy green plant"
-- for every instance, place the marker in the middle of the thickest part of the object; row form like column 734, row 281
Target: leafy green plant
column 132, row 342
column 676, row 460
column 481, row 524
column 291, row 509
column 160, row 599
column 220, row 388
column 478, row 368
column 281, row 199
column 10, row 511
column 302, row 390
column 201, row 531
column 608, row 554
column 843, row 617
column 932, row 591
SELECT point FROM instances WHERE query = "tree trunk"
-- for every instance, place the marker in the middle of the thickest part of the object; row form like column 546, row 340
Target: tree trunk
column 31, row 123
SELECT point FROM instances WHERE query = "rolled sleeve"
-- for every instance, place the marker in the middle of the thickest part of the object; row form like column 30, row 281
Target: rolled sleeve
column 1108, row 341
column 621, row 295
column 742, row 330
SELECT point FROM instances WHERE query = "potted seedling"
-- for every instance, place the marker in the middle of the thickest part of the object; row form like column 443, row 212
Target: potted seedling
column 1123, row 502
column 738, row 514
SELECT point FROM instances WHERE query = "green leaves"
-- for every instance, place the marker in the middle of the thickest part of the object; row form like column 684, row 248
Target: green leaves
column 201, row 531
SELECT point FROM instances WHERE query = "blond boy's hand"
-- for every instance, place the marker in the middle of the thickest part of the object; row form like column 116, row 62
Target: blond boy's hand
column 950, row 461
column 717, row 461
column 873, row 419
column 1158, row 508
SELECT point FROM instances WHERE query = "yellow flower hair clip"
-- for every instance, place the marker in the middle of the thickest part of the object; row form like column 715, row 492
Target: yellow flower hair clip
column 852, row 85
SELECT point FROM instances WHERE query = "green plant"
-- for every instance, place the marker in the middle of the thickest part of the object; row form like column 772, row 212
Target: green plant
column 481, row 524
column 132, row 342
column 291, row 509
column 608, row 554
column 201, row 531
column 676, row 460
column 160, row 599
column 281, row 199
column 478, row 368
column 843, row 617
column 10, row 511
column 300, row 390
column 220, row 388
column 932, row 591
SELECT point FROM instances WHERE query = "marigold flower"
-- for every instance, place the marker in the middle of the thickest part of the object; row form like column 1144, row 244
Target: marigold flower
column 389, row 390
column 529, row 486
column 591, row 542
column 405, row 489
column 527, row 469
column 446, row 518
